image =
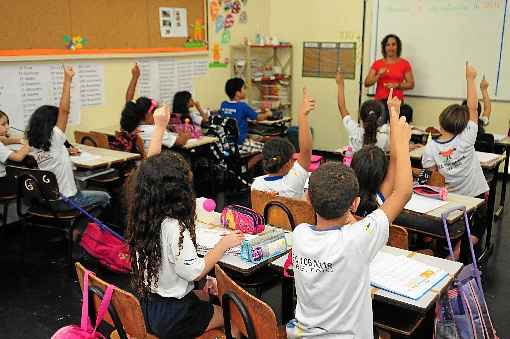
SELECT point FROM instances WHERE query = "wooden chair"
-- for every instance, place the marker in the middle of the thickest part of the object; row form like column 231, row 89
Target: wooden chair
column 94, row 139
column 125, row 313
column 301, row 210
column 253, row 317
column 399, row 237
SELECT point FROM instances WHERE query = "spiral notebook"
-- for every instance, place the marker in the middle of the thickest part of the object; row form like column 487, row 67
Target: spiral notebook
column 208, row 238
column 404, row 276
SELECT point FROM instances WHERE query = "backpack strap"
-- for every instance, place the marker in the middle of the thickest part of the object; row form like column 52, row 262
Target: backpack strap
column 287, row 265
column 104, row 306
column 85, row 321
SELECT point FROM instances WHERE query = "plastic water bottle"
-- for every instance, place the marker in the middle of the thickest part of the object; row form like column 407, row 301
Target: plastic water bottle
column 348, row 153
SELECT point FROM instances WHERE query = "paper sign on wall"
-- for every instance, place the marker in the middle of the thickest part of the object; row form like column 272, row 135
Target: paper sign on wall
column 173, row 22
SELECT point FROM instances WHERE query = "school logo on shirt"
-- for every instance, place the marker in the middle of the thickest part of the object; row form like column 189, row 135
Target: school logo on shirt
column 447, row 161
column 368, row 228
column 447, row 155
column 305, row 264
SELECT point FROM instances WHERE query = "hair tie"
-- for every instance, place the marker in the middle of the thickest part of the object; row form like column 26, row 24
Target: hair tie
column 275, row 158
column 371, row 112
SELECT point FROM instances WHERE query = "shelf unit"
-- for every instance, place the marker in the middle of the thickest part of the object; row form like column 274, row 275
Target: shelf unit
column 267, row 71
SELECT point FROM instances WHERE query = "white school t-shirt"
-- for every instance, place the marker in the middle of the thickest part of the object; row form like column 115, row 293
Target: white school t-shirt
column 57, row 161
column 179, row 268
column 146, row 132
column 331, row 273
column 291, row 185
column 5, row 153
column 356, row 133
column 458, row 162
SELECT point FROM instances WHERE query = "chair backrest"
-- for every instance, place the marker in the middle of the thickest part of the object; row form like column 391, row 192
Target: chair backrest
column 94, row 139
column 398, row 237
column 125, row 305
column 35, row 186
column 260, row 314
column 301, row 210
column 485, row 143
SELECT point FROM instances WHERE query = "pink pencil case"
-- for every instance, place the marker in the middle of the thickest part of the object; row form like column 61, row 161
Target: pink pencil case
column 315, row 162
column 435, row 192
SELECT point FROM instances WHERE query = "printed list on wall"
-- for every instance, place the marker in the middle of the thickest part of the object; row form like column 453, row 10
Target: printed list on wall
column 24, row 88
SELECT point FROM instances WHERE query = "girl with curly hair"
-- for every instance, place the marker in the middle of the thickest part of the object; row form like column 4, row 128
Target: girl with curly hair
column 162, row 239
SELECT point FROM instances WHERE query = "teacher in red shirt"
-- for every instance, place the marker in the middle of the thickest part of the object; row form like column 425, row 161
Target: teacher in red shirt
column 391, row 71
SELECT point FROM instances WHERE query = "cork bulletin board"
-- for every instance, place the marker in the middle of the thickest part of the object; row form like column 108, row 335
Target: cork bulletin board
column 38, row 27
column 322, row 59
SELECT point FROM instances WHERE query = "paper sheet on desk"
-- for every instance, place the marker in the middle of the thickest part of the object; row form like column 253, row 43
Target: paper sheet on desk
column 14, row 147
column 421, row 204
column 487, row 157
column 499, row 137
column 85, row 157
column 208, row 238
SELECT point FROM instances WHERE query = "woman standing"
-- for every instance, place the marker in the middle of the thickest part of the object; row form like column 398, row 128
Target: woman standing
column 391, row 71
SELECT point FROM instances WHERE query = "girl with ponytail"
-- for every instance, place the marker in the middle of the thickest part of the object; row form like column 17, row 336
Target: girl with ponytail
column 374, row 129
column 375, row 176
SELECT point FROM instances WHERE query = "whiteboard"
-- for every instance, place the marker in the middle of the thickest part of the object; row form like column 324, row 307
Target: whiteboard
column 439, row 36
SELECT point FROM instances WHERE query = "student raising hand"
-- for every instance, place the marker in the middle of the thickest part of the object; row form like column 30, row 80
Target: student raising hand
column 135, row 71
column 308, row 103
column 394, row 103
column 68, row 72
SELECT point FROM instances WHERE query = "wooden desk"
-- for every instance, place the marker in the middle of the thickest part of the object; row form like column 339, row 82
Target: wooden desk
column 234, row 261
column 421, row 305
column 505, row 142
column 430, row 223
column 106, row 158
column 204, row 140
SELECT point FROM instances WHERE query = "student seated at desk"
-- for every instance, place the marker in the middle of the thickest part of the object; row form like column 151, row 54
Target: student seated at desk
column 287, row 177
column 374, row 130
column 136, row 117
column 182, row 105
column 161, row 235
column 239, row 110
column 453, row 153
column 331, row 259
column 45, row 133
column 5, row 139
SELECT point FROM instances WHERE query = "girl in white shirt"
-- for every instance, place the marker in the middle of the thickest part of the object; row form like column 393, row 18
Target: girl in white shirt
column 372, row 114
column 162, row 239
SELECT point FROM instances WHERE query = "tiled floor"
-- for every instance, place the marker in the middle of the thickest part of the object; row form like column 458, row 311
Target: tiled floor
column 40, row 295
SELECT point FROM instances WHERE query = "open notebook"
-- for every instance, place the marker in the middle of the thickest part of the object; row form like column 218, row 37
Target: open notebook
column 403, row 276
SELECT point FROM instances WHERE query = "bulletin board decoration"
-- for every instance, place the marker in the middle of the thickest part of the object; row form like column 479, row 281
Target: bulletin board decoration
column 322, row 59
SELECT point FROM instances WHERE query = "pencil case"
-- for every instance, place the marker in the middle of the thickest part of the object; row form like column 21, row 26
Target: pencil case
column 435, row 192
column 265, row 246
column 242, row 218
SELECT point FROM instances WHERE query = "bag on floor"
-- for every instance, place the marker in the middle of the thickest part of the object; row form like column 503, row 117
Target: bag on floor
column 462, row 312
column 104, row 244
column 85, row 330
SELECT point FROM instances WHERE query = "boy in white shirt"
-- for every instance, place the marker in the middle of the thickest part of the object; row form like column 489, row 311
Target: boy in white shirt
column 286, row 177
column 453, row 153
column 331, row 260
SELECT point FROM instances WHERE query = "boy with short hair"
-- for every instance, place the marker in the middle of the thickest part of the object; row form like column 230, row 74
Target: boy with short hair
column 239, row 110
column 331, row 260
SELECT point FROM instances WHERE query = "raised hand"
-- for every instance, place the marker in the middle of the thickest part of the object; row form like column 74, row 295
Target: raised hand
column 339, row 77
column 68, row 72
column 162, row 116
column 394, row 103
column 484, row 84
column 135, row 71
column 470, row 72
column 308, row 103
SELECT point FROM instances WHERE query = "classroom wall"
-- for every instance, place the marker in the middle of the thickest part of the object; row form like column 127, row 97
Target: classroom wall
column 323, row 20
column 320, row 20
column 209, row 89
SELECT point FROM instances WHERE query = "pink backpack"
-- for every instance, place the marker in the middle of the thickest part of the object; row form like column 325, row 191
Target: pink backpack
column 315, row 161
column 243, row 219
column 85, row 330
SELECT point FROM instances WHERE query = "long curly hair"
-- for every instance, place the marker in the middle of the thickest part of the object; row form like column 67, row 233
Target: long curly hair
column 161, row 188
column 40, row 127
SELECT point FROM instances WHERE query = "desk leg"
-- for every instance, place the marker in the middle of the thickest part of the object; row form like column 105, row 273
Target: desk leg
column 501, row 207
column 287, row 299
